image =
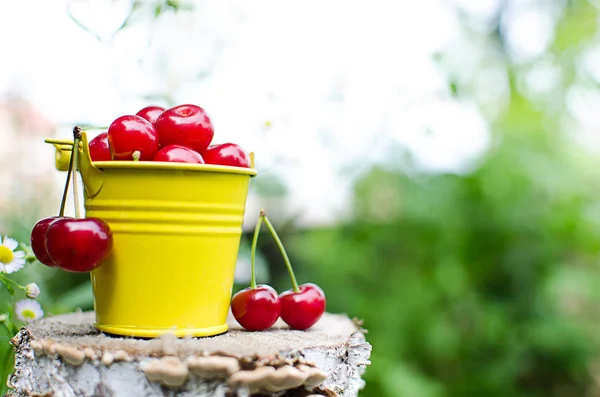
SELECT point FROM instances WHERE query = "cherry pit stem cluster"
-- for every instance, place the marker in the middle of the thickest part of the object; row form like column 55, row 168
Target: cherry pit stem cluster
column 259, row 306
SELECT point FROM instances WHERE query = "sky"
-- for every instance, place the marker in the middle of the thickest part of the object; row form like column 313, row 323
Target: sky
column 318, row 90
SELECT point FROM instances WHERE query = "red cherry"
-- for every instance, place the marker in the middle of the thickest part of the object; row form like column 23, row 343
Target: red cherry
column 227, row 154
column 178, row 154
column 301, row 310
column 99, row 148
column 129, row 134
column 150, row 113
column 256, row 308
column 38, row 240
column 186, row 125
column 79, row 245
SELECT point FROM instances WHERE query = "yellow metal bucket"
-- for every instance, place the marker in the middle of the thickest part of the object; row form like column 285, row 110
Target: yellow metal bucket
column 176, row 230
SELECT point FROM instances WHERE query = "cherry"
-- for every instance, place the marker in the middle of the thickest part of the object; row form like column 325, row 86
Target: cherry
column 186, row 125
column 38, row 240
column 76, row 245
column 256, row 308
column 99, row 148
column 132, row 137
column 79, row 245
column 178, row 154
column 150, row 113
column 227, row 154
column 38, row 233
column 301, row 310
column 302, row 306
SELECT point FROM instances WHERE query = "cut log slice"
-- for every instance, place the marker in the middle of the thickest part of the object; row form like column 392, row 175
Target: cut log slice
column 65, row 356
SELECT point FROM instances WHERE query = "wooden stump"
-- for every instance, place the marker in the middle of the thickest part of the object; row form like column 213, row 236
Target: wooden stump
column 66, row 356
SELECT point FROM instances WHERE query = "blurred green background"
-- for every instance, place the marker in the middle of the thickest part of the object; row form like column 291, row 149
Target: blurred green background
column 484, row 282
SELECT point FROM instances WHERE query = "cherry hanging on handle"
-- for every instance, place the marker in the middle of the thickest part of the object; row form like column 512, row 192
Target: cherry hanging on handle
column 77, row 244
column 38, row 233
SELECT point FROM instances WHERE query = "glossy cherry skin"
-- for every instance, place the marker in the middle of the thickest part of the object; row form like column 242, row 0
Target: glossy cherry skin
column 150, row 113
column 38, row 240
column 186, row 125
column 79, row 245
column 99, row 148
column 257, row 308
column 178, row 154
column 130, row 133
column 301, row 310
column 227, row 154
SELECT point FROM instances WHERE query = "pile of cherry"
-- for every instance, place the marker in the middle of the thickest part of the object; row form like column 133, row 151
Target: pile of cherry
column 180, row 134
column 259, row 306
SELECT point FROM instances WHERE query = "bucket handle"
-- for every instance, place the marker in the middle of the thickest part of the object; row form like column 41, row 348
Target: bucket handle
column 91, row 175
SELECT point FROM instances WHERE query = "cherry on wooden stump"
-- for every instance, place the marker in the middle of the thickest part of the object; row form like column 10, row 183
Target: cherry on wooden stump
column 257, row 307
column 302, row 306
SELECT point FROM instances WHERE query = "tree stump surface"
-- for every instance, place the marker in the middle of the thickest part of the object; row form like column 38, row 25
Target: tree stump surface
column 65, row 356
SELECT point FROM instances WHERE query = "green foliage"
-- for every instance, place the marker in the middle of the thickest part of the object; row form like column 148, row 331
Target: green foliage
column 482, row 284
column 6, row 357
column 462, row 281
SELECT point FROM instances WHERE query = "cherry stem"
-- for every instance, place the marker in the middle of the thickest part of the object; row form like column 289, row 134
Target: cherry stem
column 74, row 158
column 286, row 259
column 63, row 202
column 136, row 155
column 253, row 252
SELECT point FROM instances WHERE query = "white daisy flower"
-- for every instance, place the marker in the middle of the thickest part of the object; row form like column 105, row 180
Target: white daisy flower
column 32, row 290
column 10, row 260
column 28, row 310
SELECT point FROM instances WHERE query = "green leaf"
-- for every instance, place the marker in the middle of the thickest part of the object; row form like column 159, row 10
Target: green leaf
column 8, row 286
column 7, row 354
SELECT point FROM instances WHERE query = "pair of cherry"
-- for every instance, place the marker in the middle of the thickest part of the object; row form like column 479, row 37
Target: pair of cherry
column 72, row 244
column 179, row 134
column 259, row 306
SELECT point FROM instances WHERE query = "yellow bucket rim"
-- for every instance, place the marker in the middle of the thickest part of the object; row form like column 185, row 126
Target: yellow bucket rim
column 160, row 165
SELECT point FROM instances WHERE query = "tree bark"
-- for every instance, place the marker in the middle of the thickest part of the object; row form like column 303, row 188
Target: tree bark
column 66, row 356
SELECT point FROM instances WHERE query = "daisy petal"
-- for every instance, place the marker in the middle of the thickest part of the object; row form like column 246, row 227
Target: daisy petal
column 12, row 268
column 18, row 262
column 19, row 254
column 10, row 243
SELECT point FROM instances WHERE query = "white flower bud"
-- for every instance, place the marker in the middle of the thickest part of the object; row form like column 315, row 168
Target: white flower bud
column 32, row 290
column 3, row 318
